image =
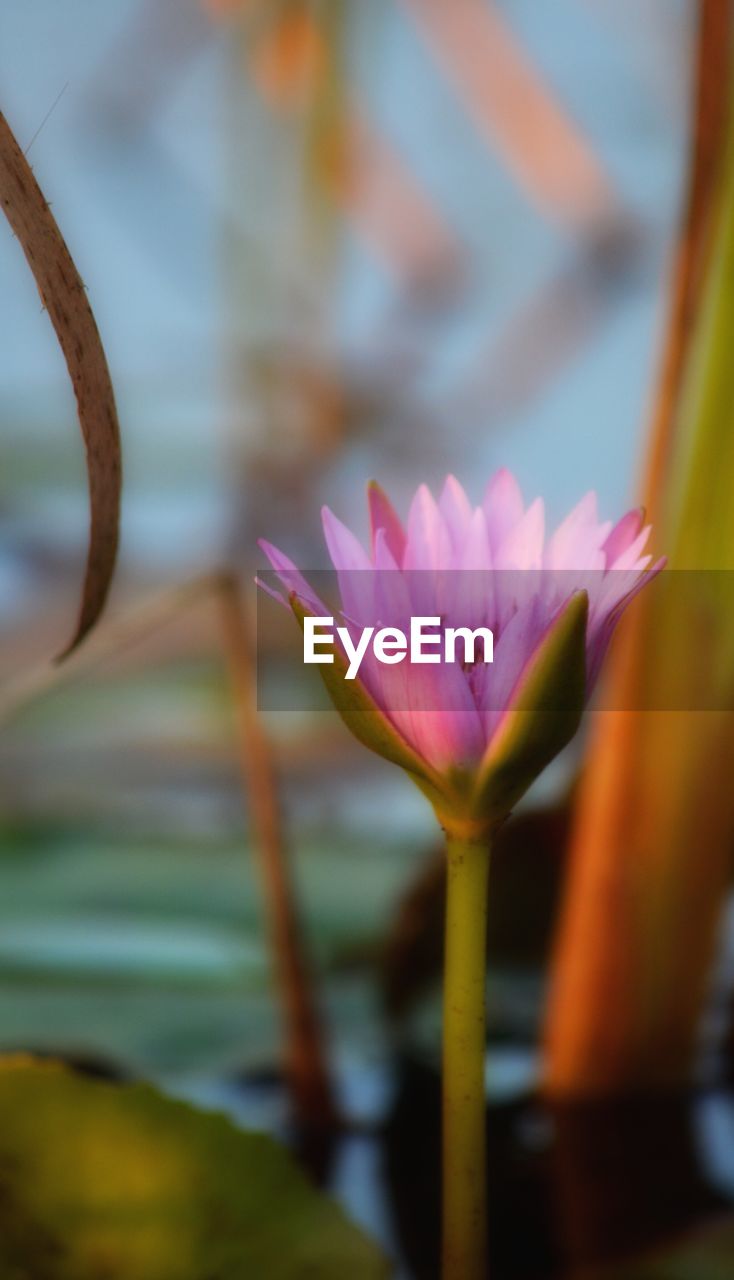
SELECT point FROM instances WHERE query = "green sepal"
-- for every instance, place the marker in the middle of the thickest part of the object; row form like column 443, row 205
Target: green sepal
column 367, row 722
column 548, row 710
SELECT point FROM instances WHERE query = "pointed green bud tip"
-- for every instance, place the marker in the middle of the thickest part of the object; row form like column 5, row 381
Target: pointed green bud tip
column 544, row 713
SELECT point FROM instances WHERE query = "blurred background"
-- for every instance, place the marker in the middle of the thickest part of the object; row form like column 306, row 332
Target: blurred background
column 323, row 242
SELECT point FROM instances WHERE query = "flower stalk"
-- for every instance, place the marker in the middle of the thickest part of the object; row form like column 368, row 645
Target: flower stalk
column 464, row 1047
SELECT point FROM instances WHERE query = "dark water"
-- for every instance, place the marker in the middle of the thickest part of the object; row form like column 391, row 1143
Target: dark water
column 571, row 1188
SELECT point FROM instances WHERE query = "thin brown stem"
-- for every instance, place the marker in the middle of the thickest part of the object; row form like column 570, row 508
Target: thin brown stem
column 306, row 1070
column 305, row 1060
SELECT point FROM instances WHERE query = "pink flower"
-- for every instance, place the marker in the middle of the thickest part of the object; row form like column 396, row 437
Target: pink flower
column 468, row 729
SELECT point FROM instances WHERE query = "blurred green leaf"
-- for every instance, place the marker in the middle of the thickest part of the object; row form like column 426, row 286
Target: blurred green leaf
column 121, row 1182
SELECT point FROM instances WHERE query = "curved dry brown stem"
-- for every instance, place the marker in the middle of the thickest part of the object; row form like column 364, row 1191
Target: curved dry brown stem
column 64, row 297
column 111, row 638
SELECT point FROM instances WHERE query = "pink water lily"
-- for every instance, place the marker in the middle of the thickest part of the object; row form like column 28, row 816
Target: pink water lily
column 490, row 565
column 473, row 735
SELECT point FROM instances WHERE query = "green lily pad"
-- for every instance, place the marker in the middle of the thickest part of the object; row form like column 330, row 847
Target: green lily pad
column 103, row 1182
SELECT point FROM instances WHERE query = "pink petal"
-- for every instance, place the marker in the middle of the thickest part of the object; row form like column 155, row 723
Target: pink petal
column 388, row 685
column 384, row 555
column 428, row 549
column 520, row 559
column 270, row 591
column 599, row 641
column 623, row 533
column 292, row 578
column 456, row 511
column 429, row 545
column 432, row 705
column 577, row 542
column 475, row 550
column 345, row 549
column 409, row 704
column 353, row 567
column 392, row 594
column 630, row 557
column 522, row 548
column 503, row 506
column 435, row 710
column 469, row 594
column 383, row 516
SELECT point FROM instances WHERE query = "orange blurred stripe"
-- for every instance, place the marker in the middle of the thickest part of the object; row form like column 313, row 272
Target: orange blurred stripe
column 225, row 8
column 289, row 59
column 386, row 206
column 372, row 186
column 540, row 144
column 652, row 833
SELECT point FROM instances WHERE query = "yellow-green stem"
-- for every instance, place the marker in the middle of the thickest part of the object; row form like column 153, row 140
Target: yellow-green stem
column 464, row 1047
